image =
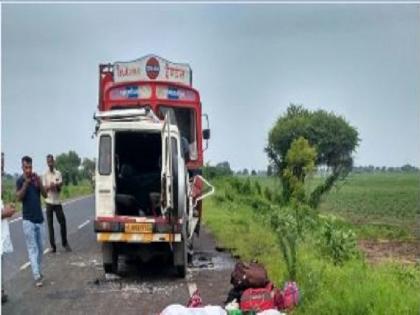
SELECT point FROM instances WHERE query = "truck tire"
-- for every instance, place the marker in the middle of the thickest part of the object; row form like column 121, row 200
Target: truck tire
column 180, row 254
column 110, row 257
column 190, row 250
column 181, row 269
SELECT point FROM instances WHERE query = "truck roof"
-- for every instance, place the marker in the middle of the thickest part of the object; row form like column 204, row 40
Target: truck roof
column 132, row 125
column 131, row 119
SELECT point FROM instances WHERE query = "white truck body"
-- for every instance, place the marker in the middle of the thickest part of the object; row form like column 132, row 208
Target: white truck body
column 174, row 221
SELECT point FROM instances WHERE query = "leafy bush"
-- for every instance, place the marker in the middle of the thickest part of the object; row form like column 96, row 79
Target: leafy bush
column 220, row 170
column 258, row 188
column 268, row 194
column 337, row 242
column 65, row 192
column 246, row 187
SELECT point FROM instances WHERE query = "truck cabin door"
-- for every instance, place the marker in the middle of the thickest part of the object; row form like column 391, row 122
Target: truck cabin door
column 173, row 172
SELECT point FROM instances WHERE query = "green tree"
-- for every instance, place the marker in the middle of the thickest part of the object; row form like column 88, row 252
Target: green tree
column 88, row 169
column 300, row 161
column 408, row 168
column 68, row 164
column 221, row 169
column 332, row 137
column 224, row 167
column 269, row 170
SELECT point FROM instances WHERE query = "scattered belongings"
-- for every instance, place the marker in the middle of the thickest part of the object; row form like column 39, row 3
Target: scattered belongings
column 253, row 291
column 195, row 300
column 252, row 294
column 176, row 309
column 249, row 275
column 288, row 298
column 258, row 299
column 271, row 312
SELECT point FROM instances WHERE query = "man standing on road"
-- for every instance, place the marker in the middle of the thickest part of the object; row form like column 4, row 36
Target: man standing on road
column 28, row 190
column 6, row 243
column 52, row 182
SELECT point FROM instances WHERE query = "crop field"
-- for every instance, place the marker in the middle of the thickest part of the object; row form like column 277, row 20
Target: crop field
column 377, row 196
column 377, row 207
column 383, row 203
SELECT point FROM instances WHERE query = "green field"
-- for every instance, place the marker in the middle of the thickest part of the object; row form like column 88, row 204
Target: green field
column 382, row 205
column 377, row 206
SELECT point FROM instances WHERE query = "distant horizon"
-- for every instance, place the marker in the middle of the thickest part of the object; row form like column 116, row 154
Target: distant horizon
column 251, row 169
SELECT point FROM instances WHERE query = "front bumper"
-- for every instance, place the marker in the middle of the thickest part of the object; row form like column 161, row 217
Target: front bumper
column 138, row 237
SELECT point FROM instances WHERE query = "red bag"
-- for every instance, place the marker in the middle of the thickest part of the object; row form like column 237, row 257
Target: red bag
column 249, row 275
column 257, row 299
column 288, row 298
column 195, row 300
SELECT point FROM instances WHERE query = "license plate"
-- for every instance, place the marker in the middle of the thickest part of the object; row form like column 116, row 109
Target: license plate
column 138, row 228
column 147, row 238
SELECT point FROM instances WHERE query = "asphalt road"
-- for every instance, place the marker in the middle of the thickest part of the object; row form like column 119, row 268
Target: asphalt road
column 78, row 211
column 75, row 282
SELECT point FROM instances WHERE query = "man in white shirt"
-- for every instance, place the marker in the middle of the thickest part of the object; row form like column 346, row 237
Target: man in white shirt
column 53, row 181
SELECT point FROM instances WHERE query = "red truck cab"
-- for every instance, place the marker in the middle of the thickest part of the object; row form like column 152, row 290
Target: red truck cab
column 154, row 82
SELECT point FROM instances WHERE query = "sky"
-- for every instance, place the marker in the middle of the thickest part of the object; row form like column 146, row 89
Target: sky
column 249, row 61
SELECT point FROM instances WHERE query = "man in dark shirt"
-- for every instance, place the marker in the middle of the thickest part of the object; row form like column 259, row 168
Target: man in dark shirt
column 28, row 190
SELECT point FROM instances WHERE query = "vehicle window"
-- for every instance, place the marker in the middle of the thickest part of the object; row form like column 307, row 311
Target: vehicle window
column 184, row 118
column 105, row 153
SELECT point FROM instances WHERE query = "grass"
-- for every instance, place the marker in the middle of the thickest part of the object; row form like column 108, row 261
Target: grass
column 239, row 229
column 355, row 287
column 68, row 192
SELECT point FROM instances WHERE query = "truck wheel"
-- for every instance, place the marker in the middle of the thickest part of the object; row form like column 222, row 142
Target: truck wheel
column 180, row 258
column 181, row 271
column 180, row 254
column 190, row 250
column 110, row 257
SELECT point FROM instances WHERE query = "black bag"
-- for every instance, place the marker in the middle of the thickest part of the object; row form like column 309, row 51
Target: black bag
column 234, row 294
column 249, row 275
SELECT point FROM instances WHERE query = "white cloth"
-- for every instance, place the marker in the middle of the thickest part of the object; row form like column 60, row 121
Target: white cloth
column 176, row 309
column 6, row 242
column 270, row 312
column 53, row 197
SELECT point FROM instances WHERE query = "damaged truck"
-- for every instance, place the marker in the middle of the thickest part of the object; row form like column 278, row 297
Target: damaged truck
column 148, row 182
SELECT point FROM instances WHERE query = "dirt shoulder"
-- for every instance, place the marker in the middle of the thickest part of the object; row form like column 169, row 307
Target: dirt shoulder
column 378, row 251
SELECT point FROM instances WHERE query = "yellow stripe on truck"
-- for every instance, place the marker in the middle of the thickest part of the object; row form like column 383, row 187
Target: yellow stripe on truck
column 138, row 238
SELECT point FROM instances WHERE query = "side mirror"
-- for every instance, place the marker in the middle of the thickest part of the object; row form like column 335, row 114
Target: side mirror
column 206, row 134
